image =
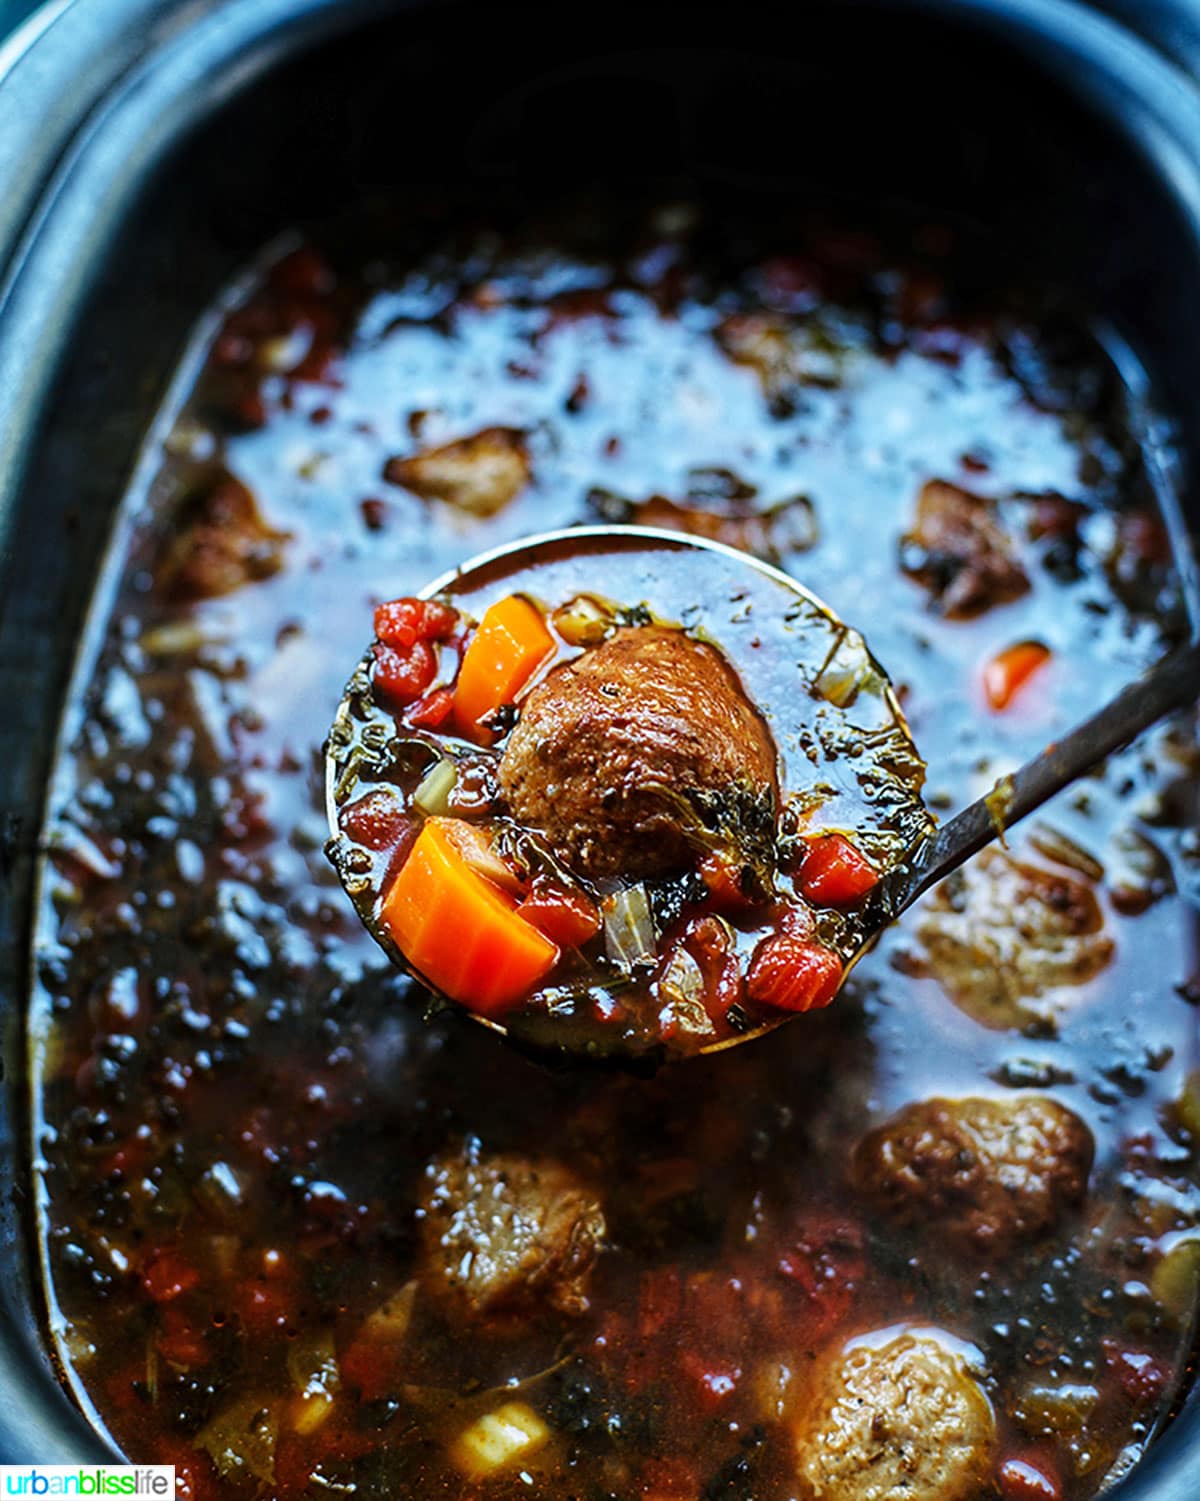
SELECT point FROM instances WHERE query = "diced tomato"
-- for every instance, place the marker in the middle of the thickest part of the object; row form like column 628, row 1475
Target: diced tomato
column 716, row 1380
column 303, row 272
column 403, row 622
column 180, row 1339
column 723, row 877
column 660, row 1301
column 195, row 1477
column 377, row 821
column 833, row 873
column 825, row 1263
column 567, row 917
column 168, row 1275
column 1008, row 672
column 708, row 942
column 1142, row 1377
column 374, row 1367
column 1027, row 1478
column 792, row 974
column 263, row 1307
column 402, row 675
column 432, row 711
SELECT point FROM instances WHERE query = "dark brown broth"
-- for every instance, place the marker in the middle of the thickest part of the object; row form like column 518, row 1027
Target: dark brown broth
column 206, row 995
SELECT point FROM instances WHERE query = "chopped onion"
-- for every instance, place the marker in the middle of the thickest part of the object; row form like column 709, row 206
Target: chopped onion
column 582, row 621
column 629, row 936
column 682, row 979
column 240, row 1440
column 433, row 792
column 312, row 1363
column 313, row 1368
column 219, row 1190
column 389, row 1323
column 681, row 988
column 476, row 849
column 847, row 672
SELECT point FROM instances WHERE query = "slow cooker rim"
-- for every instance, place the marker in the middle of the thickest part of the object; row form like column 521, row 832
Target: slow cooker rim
column 115, row 146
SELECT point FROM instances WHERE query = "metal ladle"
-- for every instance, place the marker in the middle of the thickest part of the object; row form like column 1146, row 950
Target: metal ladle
column 1172, row 684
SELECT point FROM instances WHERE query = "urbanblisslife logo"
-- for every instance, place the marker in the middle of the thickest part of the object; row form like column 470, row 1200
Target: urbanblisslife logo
column 141, row 1482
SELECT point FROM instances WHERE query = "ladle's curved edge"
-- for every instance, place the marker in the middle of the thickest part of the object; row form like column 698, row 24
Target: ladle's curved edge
column 649, row 1060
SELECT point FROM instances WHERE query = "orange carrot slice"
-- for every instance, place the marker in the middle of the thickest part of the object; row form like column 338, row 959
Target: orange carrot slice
column 1008, row 672
column 510, row 645
column 459, row 931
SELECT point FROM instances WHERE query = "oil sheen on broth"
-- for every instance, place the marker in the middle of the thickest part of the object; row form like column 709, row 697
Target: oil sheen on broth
column 299, row 1240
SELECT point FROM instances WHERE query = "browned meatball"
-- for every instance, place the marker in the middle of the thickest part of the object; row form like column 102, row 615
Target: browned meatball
column 617, row 751
column 506, row 1237
column 479, row 475
column 224, row 544
column 961, row 553
column 1002, row 935
column 895, row 1419
column 983, row 1176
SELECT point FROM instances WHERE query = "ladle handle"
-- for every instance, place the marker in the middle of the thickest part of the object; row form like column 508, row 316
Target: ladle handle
column 1173, row 683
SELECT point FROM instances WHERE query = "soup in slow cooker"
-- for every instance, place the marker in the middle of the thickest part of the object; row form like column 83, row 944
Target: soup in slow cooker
column 308, row 1233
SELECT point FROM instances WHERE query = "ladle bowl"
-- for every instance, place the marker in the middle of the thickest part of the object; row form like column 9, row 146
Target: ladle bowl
column 929, row 855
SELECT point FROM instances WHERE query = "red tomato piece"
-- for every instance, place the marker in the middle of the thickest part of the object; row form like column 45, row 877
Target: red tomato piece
column 263, row 1307
column 168, row 1275
column 723, row 877
column 402, row 675
column 1142, row 1377
column 377, row 821
column 1008, row 672
column 716, row 1380
column 708, row 941
column 401, row 622
column 826, row 1263
column 375, row 1368
column 834, row 873
column 793, row 975
column 180, row 1340
column 1023, row 1479
column 432, row 711
column 569, row 918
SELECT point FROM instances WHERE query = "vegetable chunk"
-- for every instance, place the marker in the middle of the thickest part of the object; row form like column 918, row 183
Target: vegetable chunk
column 510, row 645
column 458, row 929
column 499, row 1439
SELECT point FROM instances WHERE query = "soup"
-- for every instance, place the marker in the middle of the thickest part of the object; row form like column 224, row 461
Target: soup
column 941, row 1235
